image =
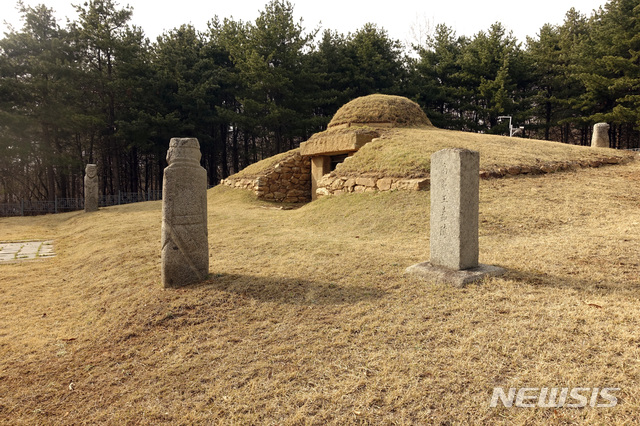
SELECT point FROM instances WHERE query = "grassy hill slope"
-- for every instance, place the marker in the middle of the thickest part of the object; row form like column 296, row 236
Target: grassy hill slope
column 308, row 318
column 405, row 152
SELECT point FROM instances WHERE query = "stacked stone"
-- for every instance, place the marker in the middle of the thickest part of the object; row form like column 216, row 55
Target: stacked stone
column 288, row 182
column 332, row 184
column 248, row 184
column 336, row 185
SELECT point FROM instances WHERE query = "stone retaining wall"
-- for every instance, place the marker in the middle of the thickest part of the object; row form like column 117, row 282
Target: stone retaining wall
column 331, row 184
column 288, row 182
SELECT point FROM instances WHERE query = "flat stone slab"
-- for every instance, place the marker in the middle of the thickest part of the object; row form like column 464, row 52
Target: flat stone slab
column 456, row 278
column 25, row 250
column 332, row 143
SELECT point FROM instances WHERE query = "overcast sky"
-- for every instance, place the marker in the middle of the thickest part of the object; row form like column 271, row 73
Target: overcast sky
column 398, row 17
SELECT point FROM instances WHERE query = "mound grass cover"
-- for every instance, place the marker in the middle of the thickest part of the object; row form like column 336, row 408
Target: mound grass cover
column 307, row 317
column 264, row 166
column 406, row 152
column 396, row 110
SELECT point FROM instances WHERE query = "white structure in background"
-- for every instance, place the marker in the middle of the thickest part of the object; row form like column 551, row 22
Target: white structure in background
column 512, row 131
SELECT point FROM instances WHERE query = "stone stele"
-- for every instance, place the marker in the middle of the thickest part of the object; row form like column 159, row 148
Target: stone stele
column 91, row 188
column 455, row 177
column 600, row 137
column 185, row 246
column 454, row 220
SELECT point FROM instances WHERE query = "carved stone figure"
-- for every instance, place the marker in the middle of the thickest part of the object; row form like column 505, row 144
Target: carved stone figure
column 91, row 188
column 185, row 247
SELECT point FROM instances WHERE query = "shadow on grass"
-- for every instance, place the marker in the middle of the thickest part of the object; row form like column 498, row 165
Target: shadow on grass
column 542, row 279
column 288, row 290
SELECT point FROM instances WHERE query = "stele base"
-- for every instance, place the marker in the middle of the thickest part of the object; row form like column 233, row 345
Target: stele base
column 457, row 278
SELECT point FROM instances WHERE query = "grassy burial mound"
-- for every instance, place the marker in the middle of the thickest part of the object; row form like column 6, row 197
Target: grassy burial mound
column 407, row 153
column 307, row 317
column 390, row 141
column 381, row 111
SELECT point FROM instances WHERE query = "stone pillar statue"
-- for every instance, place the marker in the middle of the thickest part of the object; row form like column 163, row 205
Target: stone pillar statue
column 185, row 247
column 600, row 136
column 91, row 188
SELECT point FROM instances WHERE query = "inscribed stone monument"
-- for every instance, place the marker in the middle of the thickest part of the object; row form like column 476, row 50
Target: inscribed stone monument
column 454, row 220
column 600, row 137
column 455, row 175
column 185, row 248
column 91, row 188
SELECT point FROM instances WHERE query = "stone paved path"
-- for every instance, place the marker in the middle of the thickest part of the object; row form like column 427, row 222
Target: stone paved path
column 18, row 251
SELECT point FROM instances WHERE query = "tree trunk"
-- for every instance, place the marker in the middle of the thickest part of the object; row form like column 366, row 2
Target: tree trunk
column 547, row 120
column 255, row 148
column 612, row 135
column 278, row 138
column 223, row 154
column 212, row 164
column 234, row 149
column 245, row 156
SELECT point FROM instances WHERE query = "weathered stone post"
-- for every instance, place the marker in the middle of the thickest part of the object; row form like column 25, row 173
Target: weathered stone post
column 455, row 183
column 600, row 137
column 185, row 246
column 320, row 166
column 91, row 188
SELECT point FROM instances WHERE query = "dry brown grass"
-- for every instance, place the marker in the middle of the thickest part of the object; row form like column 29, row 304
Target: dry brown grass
column 407, row 152
column 308, row 319
column 395, row 110
column 264, row 166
